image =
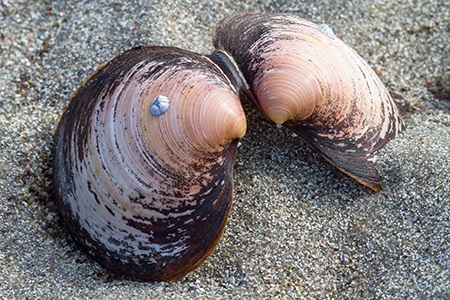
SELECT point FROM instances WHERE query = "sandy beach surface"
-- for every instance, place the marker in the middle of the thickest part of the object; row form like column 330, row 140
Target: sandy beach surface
column 299, row 229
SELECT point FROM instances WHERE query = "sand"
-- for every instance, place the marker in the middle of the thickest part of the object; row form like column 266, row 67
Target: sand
column 299, row 228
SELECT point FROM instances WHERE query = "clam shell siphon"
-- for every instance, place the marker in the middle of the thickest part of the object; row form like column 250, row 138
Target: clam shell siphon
column 149, row 196
column 302, row 76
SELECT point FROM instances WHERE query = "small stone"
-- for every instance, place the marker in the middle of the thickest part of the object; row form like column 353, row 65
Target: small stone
column 159, row 105
column 325, row 29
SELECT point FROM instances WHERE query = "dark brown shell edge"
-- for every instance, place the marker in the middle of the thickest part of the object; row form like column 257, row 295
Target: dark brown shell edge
column 211, row 218
column 355, row 162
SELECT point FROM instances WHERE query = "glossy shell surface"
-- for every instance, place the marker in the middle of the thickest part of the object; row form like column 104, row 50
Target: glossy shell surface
column 148, row 196
column 304, row 77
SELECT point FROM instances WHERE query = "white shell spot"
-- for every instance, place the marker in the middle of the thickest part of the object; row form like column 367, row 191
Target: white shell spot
column 325, row 29
column 159, row 105
column 373, row 159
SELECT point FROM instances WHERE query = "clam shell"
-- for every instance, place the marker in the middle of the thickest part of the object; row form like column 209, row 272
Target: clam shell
column 304, row 77
column 148, row 196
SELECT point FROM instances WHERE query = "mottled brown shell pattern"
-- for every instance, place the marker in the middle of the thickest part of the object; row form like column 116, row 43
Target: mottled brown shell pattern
column 149, row 196
column 304, row 77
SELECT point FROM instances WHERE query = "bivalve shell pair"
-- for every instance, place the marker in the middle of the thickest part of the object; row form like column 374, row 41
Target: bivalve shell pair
column 144, row 152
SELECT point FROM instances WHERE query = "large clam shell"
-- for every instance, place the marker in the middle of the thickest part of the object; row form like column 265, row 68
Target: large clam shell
column 149, row 196
column 304, row 77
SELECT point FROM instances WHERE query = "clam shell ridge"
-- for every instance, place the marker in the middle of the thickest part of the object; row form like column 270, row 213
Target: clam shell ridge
column 304, row 77
column 149, row 196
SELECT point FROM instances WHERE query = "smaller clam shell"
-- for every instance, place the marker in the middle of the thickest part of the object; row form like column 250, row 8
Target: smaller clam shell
column 304, row 77
column 148, row 194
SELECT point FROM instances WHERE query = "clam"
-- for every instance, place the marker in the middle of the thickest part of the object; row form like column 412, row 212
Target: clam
column 304, row 77
column 144, row 152
column 148, row 194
